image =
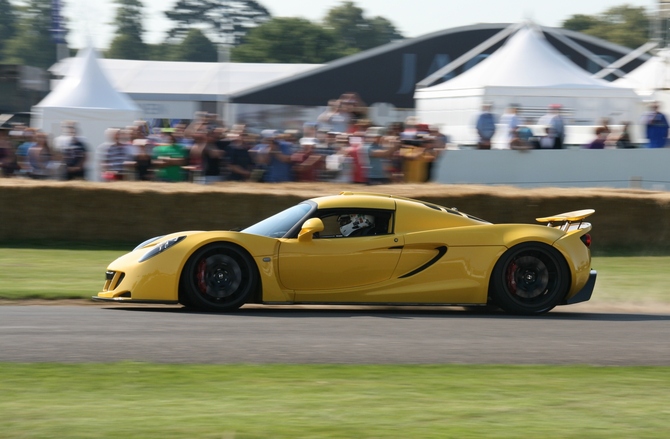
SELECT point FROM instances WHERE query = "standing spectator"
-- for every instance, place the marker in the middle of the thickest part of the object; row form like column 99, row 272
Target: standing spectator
column 556, row 127
column 599, row 141
column 194, row 166
column 169, row 158
column 240, row 164
column 510, row 121
column 307, row 162
column 260, row 155
column 141, row 160
column 323, row 120
column 40, row 158
column 486, row 126
column 339, row 163
column 657, row 127
column 622, row 139
column 74, row 158
column 279, row 163
column 116, row 154
column 22, row 151
column 360, row 162
column 378, row 156
column 212, row 156
column 7, row 154
column 340, row 119
column 71, row 149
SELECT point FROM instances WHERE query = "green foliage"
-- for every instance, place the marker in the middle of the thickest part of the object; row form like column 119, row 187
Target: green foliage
column 222, row 21
column 32, row 43
column 127, row 47
column 162, row 401
column 196, row 47
column 8, row 23
column 128, row 44
column 129, row 18
column 289, row 40
column 625, row 25
column 358, row 32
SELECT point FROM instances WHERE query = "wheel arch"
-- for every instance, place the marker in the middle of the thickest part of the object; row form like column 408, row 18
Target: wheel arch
column 519, row 246
column 256, row 296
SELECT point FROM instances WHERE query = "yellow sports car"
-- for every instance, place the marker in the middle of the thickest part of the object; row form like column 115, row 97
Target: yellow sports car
column 368, row 249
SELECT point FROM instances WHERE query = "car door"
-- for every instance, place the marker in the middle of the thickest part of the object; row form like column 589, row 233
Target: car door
column 316, row 268
column 337, row 263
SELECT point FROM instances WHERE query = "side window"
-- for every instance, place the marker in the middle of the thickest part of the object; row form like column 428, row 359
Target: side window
column 354, row 223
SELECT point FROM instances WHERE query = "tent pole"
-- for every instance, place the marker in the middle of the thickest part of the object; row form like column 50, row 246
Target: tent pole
column 428, row 81
column 625, row 59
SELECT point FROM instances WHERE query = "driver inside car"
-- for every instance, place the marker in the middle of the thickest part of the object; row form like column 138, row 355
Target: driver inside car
column 356, row 224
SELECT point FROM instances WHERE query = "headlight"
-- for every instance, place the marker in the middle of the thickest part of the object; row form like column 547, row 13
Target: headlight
column 147, row 242
column 160, row 248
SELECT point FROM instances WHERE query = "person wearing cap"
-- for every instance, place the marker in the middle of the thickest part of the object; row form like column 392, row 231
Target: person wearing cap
column 307, row 163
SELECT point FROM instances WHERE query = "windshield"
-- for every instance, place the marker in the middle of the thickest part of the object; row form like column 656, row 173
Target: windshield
column 278, row 225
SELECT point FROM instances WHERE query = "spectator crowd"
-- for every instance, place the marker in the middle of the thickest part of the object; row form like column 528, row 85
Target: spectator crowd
column 342, row 145
column 519, row 134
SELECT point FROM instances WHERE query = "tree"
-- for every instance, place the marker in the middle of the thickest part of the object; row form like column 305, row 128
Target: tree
column 196, row 47
column 8, row 23
column 32, row 44
column 357, row 32
column 128, row 42
column 625, row 25
column 221, row 20
column 289, row 40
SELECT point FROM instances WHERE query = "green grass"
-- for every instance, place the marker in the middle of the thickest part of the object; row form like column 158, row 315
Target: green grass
column 29, row 273
column 205, row 401
column 48, row 273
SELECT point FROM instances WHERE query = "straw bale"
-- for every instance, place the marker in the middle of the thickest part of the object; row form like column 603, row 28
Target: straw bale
column 125, row 212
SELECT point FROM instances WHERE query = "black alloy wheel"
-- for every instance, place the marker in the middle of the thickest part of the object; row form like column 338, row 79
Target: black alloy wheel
column 530, row 278
column 218, row 277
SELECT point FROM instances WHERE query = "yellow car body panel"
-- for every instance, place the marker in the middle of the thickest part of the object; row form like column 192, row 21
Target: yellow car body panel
column 427, row 254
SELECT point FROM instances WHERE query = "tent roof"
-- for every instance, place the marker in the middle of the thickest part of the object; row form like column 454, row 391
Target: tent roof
column 188, row 78
column 86, row 86
column 650, row 76
column 525, row 60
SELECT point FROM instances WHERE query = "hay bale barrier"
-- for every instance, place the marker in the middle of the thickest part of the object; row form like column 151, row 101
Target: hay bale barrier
column 130, row 212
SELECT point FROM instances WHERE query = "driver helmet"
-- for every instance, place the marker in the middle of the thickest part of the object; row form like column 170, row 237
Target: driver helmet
column 352, row 222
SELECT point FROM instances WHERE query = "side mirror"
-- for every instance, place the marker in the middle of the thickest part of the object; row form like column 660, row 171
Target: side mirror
column 308, row 230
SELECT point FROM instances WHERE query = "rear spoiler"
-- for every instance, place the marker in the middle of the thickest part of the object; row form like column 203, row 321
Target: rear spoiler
column 567, row 221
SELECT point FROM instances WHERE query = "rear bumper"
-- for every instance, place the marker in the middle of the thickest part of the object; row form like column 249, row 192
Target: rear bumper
column 585, row 293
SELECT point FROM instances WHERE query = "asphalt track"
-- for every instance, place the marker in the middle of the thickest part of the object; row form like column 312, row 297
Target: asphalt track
column 261, row 335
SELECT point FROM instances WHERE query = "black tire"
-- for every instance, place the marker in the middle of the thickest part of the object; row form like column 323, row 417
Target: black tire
column 218, row 277
column 530, row 278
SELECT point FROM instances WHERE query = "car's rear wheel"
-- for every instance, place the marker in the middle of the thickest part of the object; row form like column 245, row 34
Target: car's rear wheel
column 530, row 278
column 218, row 277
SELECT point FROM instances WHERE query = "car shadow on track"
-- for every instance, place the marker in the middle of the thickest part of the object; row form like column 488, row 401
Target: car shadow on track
column 294, row 312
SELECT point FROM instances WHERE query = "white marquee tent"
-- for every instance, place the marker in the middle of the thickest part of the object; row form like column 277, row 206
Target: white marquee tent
column 87, row 97
column 176, row 89
column 651, row 81
column 527, row 71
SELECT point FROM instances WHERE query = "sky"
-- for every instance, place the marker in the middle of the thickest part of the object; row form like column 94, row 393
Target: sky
column 91, row 19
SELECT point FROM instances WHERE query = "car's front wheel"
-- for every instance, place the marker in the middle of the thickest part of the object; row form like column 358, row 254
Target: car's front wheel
column 530, row 278
column 218, row 277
